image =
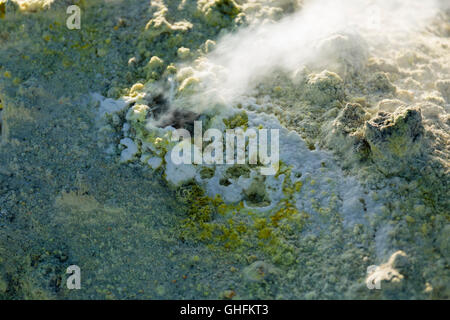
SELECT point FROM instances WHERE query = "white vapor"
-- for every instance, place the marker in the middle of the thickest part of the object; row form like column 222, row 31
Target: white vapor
column 254, row 52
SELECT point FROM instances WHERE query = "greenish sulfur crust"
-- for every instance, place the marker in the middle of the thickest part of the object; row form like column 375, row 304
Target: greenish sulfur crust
column 234, row 227
column 135, row 52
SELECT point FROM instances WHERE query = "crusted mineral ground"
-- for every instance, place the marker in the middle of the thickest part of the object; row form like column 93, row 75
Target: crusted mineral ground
column 360, row 196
